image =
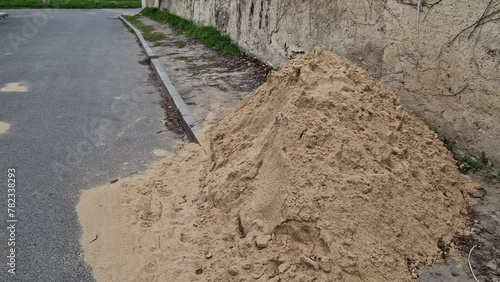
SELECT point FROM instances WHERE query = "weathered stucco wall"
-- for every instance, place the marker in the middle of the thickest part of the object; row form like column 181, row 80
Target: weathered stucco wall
column 443, row 57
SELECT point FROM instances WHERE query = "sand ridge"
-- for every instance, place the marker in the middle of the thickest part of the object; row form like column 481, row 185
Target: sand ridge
column 319, row 174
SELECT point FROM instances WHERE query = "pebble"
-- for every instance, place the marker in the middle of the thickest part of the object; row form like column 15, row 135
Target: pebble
column 443, row 167
column 325, row 266
column 262, row 241
column 208, row 255
column 367, row 190
column 275, row 279
column 491, row 264
column 246, row 266
column 396, row 151
column 310, row 262
column 233, row 271
column 283, row 267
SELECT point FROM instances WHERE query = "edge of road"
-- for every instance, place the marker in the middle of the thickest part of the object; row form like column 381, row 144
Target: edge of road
column 188, row 121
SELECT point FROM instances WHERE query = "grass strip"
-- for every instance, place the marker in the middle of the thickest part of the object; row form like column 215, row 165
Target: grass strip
column 207, row 35
column 147, row 31
column 70, row 4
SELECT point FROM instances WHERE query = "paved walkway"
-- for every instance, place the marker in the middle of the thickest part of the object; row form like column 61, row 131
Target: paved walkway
column 76, row 110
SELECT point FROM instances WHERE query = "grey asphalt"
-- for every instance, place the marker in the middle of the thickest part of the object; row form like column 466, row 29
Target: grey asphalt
column 82, row 112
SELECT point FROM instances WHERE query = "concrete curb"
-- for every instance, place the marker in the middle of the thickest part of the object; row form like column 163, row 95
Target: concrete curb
column 187, row 119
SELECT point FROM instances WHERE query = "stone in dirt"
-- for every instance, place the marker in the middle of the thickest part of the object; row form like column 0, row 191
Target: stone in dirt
column 309, row 262
column 233, row 271
column 310, row 159
column 262, row 241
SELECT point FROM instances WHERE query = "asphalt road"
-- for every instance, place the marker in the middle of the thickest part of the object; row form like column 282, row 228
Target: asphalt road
column 76, row 110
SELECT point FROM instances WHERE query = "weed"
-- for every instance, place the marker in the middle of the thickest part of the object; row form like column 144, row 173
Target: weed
column 147, row 31
column 469, row 163
column 209, row 36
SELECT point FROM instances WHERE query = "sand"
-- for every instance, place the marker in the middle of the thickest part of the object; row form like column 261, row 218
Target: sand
column 139, row 222
column 4, row 127
column 319, row 175
column 14, row 87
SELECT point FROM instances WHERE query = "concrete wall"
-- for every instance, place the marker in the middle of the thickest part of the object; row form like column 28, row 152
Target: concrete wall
column 443, row 57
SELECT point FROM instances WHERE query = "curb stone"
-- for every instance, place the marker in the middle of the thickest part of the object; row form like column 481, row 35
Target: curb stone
column 189, row 123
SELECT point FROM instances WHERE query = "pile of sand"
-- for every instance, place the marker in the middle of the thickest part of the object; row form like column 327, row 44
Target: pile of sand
column 318, row 174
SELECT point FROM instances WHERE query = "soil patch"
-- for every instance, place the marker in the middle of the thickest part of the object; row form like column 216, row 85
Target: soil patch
column 484, row 236
column 485, row 221
column 210, row 83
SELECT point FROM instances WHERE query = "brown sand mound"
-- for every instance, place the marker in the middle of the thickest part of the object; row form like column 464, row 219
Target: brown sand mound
column 327, row 162
column 319, row 174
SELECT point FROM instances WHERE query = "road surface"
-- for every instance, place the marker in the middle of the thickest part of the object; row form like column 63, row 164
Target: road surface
column 76, row 110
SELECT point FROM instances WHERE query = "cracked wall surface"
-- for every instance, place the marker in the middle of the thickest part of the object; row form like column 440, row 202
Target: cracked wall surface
column 441, row 56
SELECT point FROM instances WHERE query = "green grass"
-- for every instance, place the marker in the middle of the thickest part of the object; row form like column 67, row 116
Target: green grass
column 70, row 4
column 147, row 31
column 474, row 164
column 207, row 35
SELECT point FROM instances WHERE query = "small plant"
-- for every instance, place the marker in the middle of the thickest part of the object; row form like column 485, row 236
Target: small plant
column 470, row 163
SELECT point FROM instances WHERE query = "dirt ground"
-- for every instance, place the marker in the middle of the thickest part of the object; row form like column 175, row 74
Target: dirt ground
column 484, row 220
column 211, row 84
column 485, row 215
